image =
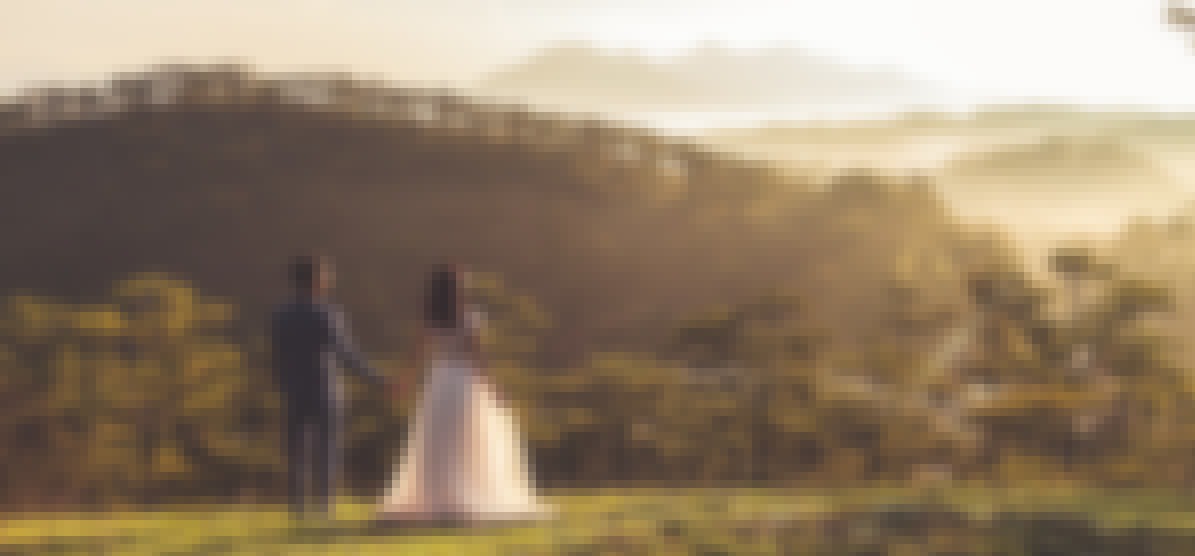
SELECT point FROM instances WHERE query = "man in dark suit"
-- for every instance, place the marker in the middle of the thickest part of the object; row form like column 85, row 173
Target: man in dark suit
column 311, row 341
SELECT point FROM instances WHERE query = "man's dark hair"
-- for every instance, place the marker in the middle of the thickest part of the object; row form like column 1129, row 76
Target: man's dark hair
column 305, row 269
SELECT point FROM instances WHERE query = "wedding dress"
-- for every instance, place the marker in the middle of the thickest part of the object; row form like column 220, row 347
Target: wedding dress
column 465, row 458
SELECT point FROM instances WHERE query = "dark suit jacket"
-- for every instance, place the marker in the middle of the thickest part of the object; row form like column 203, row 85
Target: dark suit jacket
column 310, row 341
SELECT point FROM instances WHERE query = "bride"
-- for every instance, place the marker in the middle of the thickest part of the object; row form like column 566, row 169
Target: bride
column 464, row 459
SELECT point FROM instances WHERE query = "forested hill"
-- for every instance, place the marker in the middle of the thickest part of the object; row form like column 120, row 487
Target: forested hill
column 219, row 174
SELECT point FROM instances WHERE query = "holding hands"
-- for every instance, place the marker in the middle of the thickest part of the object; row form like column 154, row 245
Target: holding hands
column 396, row 388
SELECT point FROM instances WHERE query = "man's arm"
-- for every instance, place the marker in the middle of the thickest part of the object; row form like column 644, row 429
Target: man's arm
column 342, row 343
column 276, row 350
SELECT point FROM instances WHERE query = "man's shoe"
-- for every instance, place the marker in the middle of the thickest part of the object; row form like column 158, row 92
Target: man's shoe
column 299, row 516
column 325, row 516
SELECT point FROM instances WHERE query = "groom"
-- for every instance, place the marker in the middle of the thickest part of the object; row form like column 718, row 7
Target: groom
column 310, row 337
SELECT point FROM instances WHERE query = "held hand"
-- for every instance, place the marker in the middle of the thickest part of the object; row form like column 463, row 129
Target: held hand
column 395, row 389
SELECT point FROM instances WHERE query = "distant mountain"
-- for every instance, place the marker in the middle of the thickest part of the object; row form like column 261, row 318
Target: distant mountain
column 1057, row 119
column 708, row 77
column 1066, row 163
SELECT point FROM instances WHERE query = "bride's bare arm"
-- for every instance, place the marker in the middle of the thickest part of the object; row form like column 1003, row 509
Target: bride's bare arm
column 478, row 352
column 476, row 346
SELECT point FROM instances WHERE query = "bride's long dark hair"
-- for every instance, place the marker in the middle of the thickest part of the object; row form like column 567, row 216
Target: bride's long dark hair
column 444, row 297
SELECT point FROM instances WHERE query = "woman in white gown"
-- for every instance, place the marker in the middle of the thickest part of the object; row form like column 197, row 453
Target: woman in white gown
column 464, row 458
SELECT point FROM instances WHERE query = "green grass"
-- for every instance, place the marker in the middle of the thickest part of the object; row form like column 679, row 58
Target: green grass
column 739, row 521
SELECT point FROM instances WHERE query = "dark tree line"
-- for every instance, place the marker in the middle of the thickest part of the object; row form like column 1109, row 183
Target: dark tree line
column 147, row 397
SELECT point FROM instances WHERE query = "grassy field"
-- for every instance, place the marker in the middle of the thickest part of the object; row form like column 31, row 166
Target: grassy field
column 712, row 522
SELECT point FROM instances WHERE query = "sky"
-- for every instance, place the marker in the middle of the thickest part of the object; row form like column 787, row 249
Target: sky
column 1084, row 51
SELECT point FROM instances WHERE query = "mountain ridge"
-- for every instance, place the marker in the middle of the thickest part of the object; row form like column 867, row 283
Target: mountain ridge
column 710, row 75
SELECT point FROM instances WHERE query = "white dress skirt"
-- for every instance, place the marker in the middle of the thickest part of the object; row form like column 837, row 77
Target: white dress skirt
column 464, row 458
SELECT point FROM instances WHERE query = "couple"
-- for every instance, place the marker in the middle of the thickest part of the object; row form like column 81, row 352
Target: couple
column 464, row 459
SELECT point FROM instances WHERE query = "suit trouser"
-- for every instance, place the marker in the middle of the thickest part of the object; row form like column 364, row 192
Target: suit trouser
column 312, row 448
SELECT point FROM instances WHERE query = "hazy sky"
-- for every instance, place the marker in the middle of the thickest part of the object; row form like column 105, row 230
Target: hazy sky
column 1098, row 51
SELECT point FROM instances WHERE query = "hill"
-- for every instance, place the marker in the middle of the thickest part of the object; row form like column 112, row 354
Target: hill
column 616, row 232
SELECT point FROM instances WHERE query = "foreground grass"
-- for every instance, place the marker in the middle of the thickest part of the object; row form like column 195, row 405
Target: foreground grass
column 740, row 521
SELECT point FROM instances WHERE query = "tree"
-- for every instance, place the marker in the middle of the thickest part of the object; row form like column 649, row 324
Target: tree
column 514, row 321
column 767, row 329
column 1074, row 264
column 1180, row 15
column 143, row 397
